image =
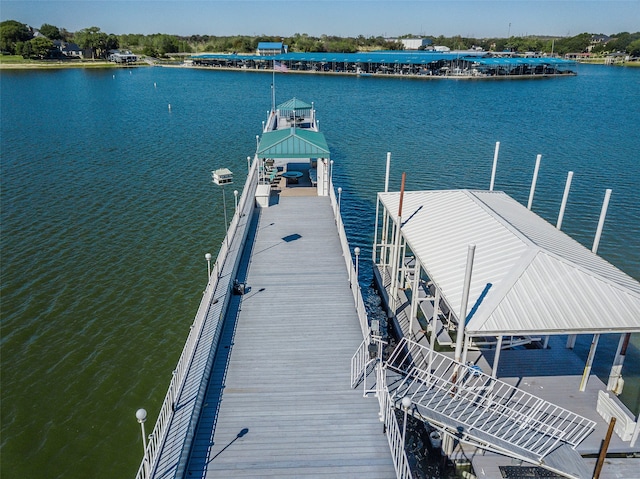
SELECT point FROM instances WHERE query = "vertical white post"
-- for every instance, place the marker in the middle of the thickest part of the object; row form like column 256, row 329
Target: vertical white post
column 495, row 166
column 375, row 232
column 248, row 163
column 414, row 296
column 465, row 349
column 385, row 234
column 395, row 267
column 235, row 195
column 331, row 172
column 396, row 253
column 465, row 298
column 386, row 178
column 587, row 367
column 432, row 338
column 615, row 376
column 257, row 142
column 533, row 182
column 565, row 197
column 496, row 358
column 357, row 252
column 339, row 197
column 603, row 214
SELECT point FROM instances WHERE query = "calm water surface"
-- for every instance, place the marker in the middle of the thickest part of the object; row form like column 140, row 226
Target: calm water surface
column 108, row 209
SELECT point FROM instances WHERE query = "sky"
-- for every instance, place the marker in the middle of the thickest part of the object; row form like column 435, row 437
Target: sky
column 389, row 18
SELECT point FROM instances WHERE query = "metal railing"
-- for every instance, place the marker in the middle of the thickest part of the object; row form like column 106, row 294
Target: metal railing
column 179, row 375
column 353, row 277
column 485, row 406
column 394, row 436
column 361, row 366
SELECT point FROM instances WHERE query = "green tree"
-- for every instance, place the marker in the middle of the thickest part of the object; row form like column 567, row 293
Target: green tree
column 12, row 32
column 633, row 48
column 621, row 41
column 92, row 38
column 576, row 44
column 41, row 47
column 51, row 32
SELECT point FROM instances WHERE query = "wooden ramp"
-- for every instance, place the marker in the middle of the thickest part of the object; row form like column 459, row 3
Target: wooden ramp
column 279, row 402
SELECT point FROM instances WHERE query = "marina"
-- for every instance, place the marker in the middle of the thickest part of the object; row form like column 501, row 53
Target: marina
column 464, row 64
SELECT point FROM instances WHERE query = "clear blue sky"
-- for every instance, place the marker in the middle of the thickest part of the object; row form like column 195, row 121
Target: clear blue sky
column 479, row 18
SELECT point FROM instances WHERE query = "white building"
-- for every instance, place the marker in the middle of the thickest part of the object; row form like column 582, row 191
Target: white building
column 415, row 43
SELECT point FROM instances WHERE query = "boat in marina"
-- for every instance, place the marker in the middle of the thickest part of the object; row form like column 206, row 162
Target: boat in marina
column 283, row 373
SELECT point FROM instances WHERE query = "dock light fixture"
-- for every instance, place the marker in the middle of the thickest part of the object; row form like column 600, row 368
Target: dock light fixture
column 235, row 195
column 141, row 416
column 221, row 177
column 357, row 252
column 406, row 404
column 208, row 258
column 339, row 197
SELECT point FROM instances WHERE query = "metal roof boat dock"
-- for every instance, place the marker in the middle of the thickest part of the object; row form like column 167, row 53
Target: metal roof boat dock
column 262, row 388
column 464, row 64
column 516, row 280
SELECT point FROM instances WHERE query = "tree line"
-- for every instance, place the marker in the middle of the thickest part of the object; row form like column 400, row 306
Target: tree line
column 19, row 39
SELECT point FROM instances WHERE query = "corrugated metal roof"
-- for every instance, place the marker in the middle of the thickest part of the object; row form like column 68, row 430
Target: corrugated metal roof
column 293, row 143
column 294, row 104
column 269, row 45
column 528, row 277
column 391, row 57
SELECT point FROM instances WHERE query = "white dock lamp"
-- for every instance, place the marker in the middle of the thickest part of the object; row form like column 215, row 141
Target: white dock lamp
column 357, row 252
column 141, row 416
column 221, row 177
column 208, row 258
column 406, row 404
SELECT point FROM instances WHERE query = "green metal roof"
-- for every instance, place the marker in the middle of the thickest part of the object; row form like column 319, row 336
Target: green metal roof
column 294, row 104
column 293, row 143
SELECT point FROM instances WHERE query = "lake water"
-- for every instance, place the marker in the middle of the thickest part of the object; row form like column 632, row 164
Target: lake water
column 108, row 209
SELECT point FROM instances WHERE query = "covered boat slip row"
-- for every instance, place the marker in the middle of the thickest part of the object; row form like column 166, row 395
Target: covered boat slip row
column 435, row 64
column 482, row 256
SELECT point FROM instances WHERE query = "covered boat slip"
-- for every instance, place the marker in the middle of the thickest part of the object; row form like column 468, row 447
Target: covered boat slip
column 286, row 345
column 455, row 64
column 522, row 278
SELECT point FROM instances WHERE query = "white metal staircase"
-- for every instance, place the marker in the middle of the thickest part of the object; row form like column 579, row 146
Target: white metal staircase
column 482, row 410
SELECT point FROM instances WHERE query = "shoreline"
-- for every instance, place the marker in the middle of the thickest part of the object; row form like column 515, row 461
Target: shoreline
column 45, row 65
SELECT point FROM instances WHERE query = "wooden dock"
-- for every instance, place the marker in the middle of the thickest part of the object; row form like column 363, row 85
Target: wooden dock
column 279, row 402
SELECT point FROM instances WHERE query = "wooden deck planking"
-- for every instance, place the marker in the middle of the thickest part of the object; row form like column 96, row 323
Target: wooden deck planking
column 287, row 380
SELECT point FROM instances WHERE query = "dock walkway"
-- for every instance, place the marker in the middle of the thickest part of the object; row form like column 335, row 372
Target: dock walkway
column 279, row 402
